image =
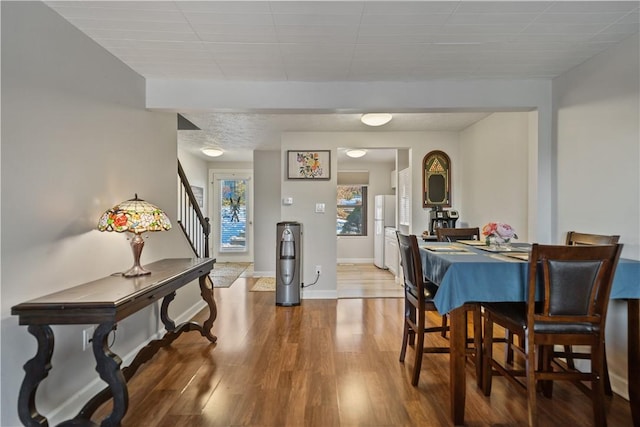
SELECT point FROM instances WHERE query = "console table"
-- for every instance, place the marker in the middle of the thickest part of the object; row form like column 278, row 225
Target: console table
column 105, row 302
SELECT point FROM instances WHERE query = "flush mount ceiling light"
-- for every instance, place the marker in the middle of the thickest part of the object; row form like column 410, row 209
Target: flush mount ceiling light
column 355, row 153
column 212, row 152
column 376, row 119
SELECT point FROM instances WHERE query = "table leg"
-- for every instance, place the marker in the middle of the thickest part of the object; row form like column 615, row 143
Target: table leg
column 148, row 351
column 36, row 369
column 169, row 324
column 108, row 366
column 206, row 291
column 457, row 380
column 633, row 362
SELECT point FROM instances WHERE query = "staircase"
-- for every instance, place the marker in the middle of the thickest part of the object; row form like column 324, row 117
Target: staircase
column 193, row 223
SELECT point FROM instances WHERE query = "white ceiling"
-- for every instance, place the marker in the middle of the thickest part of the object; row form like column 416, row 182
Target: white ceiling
column 325, row 41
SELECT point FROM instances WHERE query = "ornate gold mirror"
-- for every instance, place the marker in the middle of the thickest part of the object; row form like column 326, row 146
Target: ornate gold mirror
column 436, row 180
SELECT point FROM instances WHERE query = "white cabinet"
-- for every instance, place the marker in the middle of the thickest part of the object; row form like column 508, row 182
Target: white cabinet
column 404, row 194
column 391, row 253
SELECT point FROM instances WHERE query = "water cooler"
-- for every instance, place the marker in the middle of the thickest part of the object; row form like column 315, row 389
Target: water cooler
column 288, row 263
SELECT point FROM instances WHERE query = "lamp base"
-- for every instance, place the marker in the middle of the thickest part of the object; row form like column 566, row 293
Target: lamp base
column 136, row 271
column 137, row 243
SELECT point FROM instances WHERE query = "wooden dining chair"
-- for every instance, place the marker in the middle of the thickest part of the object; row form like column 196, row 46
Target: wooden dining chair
column 575, row 238
column 578, row 239
column 419, row 294
column 455, row 234
column 574, row 283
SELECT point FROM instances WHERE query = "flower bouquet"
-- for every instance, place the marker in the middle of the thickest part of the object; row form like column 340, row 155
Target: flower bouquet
column 498, row 234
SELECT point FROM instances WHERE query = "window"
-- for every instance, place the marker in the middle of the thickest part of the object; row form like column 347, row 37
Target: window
column 352, row 210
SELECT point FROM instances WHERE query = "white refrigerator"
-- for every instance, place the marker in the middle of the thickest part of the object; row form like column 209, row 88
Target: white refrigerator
column 384, row 215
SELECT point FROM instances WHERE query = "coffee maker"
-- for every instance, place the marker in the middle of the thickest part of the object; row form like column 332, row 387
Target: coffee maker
column 442, row 218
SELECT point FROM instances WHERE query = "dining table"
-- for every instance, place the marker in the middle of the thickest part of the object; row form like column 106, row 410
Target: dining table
column 471, row 272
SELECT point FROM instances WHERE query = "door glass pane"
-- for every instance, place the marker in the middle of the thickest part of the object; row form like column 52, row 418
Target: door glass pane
column 233, row 215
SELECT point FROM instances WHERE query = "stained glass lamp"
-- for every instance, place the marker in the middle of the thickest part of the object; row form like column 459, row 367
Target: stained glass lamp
column 135, row 216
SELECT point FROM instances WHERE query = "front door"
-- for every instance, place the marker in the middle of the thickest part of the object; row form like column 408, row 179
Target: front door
column 232, row 221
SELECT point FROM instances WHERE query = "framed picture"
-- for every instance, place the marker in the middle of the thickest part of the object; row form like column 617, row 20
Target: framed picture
column 309, row 164
column 198, row 192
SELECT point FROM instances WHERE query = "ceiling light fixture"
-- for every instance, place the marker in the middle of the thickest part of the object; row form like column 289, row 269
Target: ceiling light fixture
column 376, row 119
column 213, row 152
column 355, row 153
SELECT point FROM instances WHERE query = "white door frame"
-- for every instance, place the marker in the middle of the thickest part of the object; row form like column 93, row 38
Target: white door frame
column 214, row 208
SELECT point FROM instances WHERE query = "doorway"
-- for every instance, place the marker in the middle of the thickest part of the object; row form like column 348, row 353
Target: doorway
column 232, row 199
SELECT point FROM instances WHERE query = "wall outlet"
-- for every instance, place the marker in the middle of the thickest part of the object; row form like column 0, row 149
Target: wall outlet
column 318, row 269
column 87, row 336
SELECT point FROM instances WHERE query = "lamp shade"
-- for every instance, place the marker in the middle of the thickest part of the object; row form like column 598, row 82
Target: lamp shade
column 135, row 216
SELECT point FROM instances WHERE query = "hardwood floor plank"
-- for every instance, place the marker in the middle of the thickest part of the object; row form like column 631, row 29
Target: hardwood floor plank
column 324, row 363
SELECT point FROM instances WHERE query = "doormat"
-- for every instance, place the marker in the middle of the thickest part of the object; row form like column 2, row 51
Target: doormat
column 225, row 273
column 265, row 284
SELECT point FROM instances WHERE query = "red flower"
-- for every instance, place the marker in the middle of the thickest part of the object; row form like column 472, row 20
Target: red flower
column 120, row 220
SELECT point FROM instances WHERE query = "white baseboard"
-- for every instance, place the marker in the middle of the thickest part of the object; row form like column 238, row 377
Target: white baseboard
column 72, row 406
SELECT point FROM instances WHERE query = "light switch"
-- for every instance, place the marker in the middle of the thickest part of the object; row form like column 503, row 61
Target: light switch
column 287, row 201
column 319, row 207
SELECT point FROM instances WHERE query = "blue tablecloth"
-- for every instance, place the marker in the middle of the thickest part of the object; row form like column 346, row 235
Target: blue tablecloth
column 479, row 276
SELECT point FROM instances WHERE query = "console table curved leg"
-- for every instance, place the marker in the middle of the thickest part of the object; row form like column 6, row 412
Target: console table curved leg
column 36, row 370
column 206, row 291
column 108, row 366
column 169, row 324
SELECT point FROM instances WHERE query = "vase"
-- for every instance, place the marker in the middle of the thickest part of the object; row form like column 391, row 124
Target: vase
column 498, row 243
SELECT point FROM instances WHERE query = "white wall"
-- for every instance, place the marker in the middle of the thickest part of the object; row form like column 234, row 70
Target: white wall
column 596, row 108
column 494, row 172
column 598, row 150
column 267, row 180
column 76, row 139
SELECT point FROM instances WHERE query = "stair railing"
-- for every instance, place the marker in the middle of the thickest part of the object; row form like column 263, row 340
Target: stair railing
column 194, row 224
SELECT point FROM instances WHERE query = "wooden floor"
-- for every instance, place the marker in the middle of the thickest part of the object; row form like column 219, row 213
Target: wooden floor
column 367, row 281
column 324, row 363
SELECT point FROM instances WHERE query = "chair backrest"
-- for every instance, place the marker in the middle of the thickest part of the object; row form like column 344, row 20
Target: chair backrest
column 575, row 239
column 575, row 281
column 412, row 268
column 455, row 234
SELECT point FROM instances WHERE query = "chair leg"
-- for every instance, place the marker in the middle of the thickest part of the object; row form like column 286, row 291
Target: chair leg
column 477, row 343
column 568, row 350
column 546, row 356
column 405, row 339
column 444, row 327
column 531, row 382
column 508, row 356
column 410, row 312
column 487, row 356
column 419, row 349
column 605, row 372
column 605, row 375
column 597, row 385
